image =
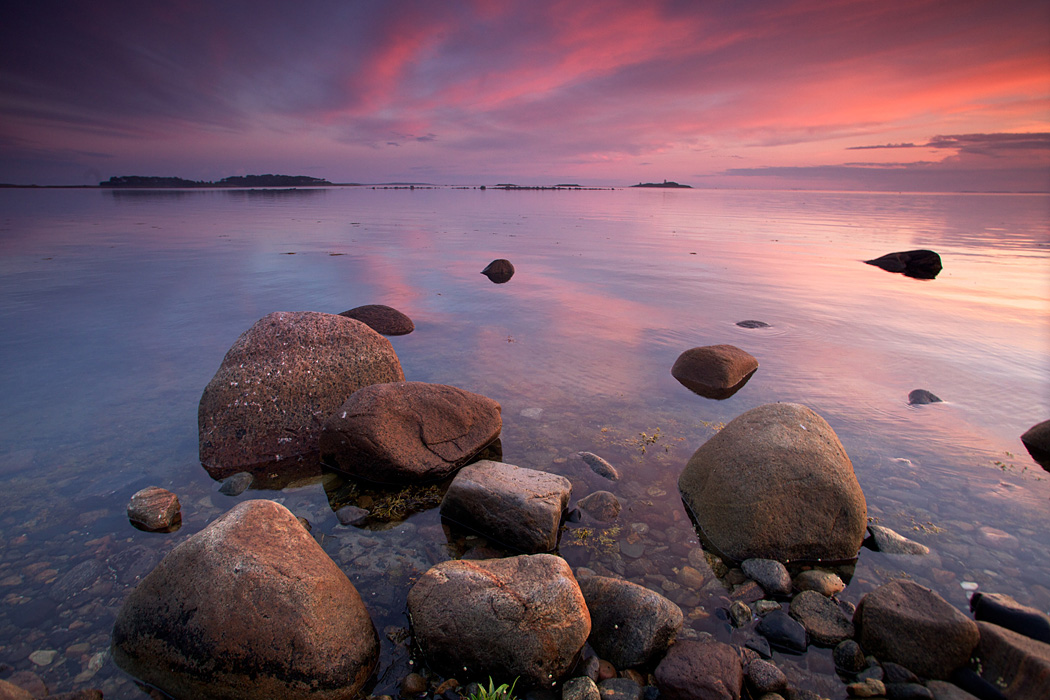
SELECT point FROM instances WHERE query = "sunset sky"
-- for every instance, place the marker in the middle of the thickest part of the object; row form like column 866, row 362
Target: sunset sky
column 840, row 94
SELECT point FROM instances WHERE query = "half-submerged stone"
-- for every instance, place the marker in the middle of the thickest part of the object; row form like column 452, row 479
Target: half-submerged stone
column 155, row 509
column 499, row 271
column 776, row 483
column 519, row 507
column 249, row 607
column 521, row 617
column 408, row 432
column 278, row 383
column 920, row 264
column 1037, row 441
column 384, row 320
column 919, row 397
column 714, row 371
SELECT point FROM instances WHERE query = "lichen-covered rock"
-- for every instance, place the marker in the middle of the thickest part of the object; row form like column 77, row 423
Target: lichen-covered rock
column 911, row 625
column 408, row 432
column 630, row 624
column 382, row 319
column 714, row 371
column 516, row 506
column 521, row 616
column 249, row 607
column 776, row 483
column 279, row 382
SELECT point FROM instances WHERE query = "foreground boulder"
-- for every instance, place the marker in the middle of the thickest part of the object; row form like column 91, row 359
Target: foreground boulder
column 1020, row 663
column 408, row 432
column 382, row 319
column 920, row 264
column 714, row 371
column 522, row 616
column 278, row 383
column 1002, row 610
column 519, row 507
column 249, row 607
column 700, row 671
column 631, row 625
column 776, row 483
column 1037, row 441
column 911, row 625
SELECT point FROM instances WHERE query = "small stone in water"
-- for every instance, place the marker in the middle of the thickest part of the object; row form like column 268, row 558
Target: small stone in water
column 921, row 396
column 154, row 508
column 531, row 412
column 892, row 543
column 870, row 688
column 599, row 466
column 236, row 484
column 771, row 575
column 739, row 614
column 412, row 685
column 351, row 515
column 968, row 585
column 752, row 324
column 42, row 657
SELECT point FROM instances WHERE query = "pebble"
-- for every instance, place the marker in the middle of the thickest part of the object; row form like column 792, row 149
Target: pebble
column 764, row 607
column 43, row 657
column 413, row 685
column 849, row 657
column 826, row 623
column 236, row 484
column 869, row 688
column 739, row 614
column 351, row 515
column 620, row 689
column 824, row 582
column 599, row 466
column 908, row 691
column 770, row 574
column 600, row 505
column 154, row 508
column 890, row 542
column 765, row 677
column 582, row 688
column 632, row 549
column 690, row 577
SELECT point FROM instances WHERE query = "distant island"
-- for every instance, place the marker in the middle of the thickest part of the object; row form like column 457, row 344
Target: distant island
column 665, row 183
column 234, row 181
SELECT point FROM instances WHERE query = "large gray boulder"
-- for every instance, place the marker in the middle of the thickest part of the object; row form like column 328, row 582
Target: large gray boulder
column 630, row 624
column 521, row 616
column 408, row 432
column 911, row 625
column 776, row 483
column 279, row 382
column 516, row 506
column 249, row 607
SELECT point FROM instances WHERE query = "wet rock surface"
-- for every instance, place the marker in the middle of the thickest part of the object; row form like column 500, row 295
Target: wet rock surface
column 279, row 382
column 630, row 624
column 154, row 509
column 776, row 483
column 1018, row 664
column 1002, row 610
column 382, row 319
column 220, row 611
column 599, row 466
column 825, row 622
column 700, row 671
column 408, row 432
column 521, row 616
column 783, row 632
column 770, row 574
column 886, row 540
column 714, row 371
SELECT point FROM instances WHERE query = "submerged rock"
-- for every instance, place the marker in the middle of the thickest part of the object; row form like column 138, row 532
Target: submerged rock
column 251, row 606
column 714, row 371
column 600, row 505
column 1037, row 441
column 521, row 616
column 382, row 319
column 776, row 483
column 279, row 382
column 752, row 324
column 155, row 509
column 915, row 627
column 783, row 632
column 599, row 466
column 236, row 484
column 499, row 271
column 408, row 432
column 920, row 264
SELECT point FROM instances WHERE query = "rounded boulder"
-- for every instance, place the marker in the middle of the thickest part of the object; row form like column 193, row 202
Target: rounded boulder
column 279, row 382
column 408, row 432
column 714, row 371
column 776, row 483
column 631, row 625
column 520, row 616
column 249, row 607
column 382, row 319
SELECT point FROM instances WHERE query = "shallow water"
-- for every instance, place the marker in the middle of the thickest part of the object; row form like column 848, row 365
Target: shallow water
column 117, row 307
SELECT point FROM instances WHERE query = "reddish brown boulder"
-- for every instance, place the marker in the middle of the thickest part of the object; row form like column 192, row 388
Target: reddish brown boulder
column 776, row 483
column 408, row 432
column 911, row 625
column 1019, row 662
column 700, row 671
column 382, row 319
column 249, row 607
column 521, row 616
column 714, row 371
column 154, row 508
column 279, row 382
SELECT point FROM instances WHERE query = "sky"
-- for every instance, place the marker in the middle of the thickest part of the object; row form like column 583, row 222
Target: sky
column 916, row 95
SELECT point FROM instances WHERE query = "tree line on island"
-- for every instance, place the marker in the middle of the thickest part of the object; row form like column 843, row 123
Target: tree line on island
column 233, row 181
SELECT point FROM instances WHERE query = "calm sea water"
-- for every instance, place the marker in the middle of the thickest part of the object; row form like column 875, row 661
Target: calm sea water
column 117, row 307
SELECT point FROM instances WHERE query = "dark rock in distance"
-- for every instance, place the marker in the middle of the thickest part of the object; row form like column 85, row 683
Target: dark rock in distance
column 750, row 323
column 911, row 625
column 920, row 264
column 278, row 383
column 776, row 483
column 382, row 319
column 1037, row 441
column 499, row 271
column 222, row 613
column 921, row 396
column 714, row 371
column 408, row 432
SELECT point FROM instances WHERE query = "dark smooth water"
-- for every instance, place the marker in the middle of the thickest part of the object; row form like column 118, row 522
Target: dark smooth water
column 117, row 307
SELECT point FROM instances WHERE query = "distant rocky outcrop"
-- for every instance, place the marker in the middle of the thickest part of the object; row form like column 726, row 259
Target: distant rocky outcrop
column 408, row 432
column 521, row 617
column 280, row 381
column 233, row 181
column 776, row 483
column 251, row 606
column 920, row 264
column 382, row 319
column 665, row 183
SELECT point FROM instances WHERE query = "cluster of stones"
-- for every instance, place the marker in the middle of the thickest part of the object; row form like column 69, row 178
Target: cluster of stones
column 251, row 606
